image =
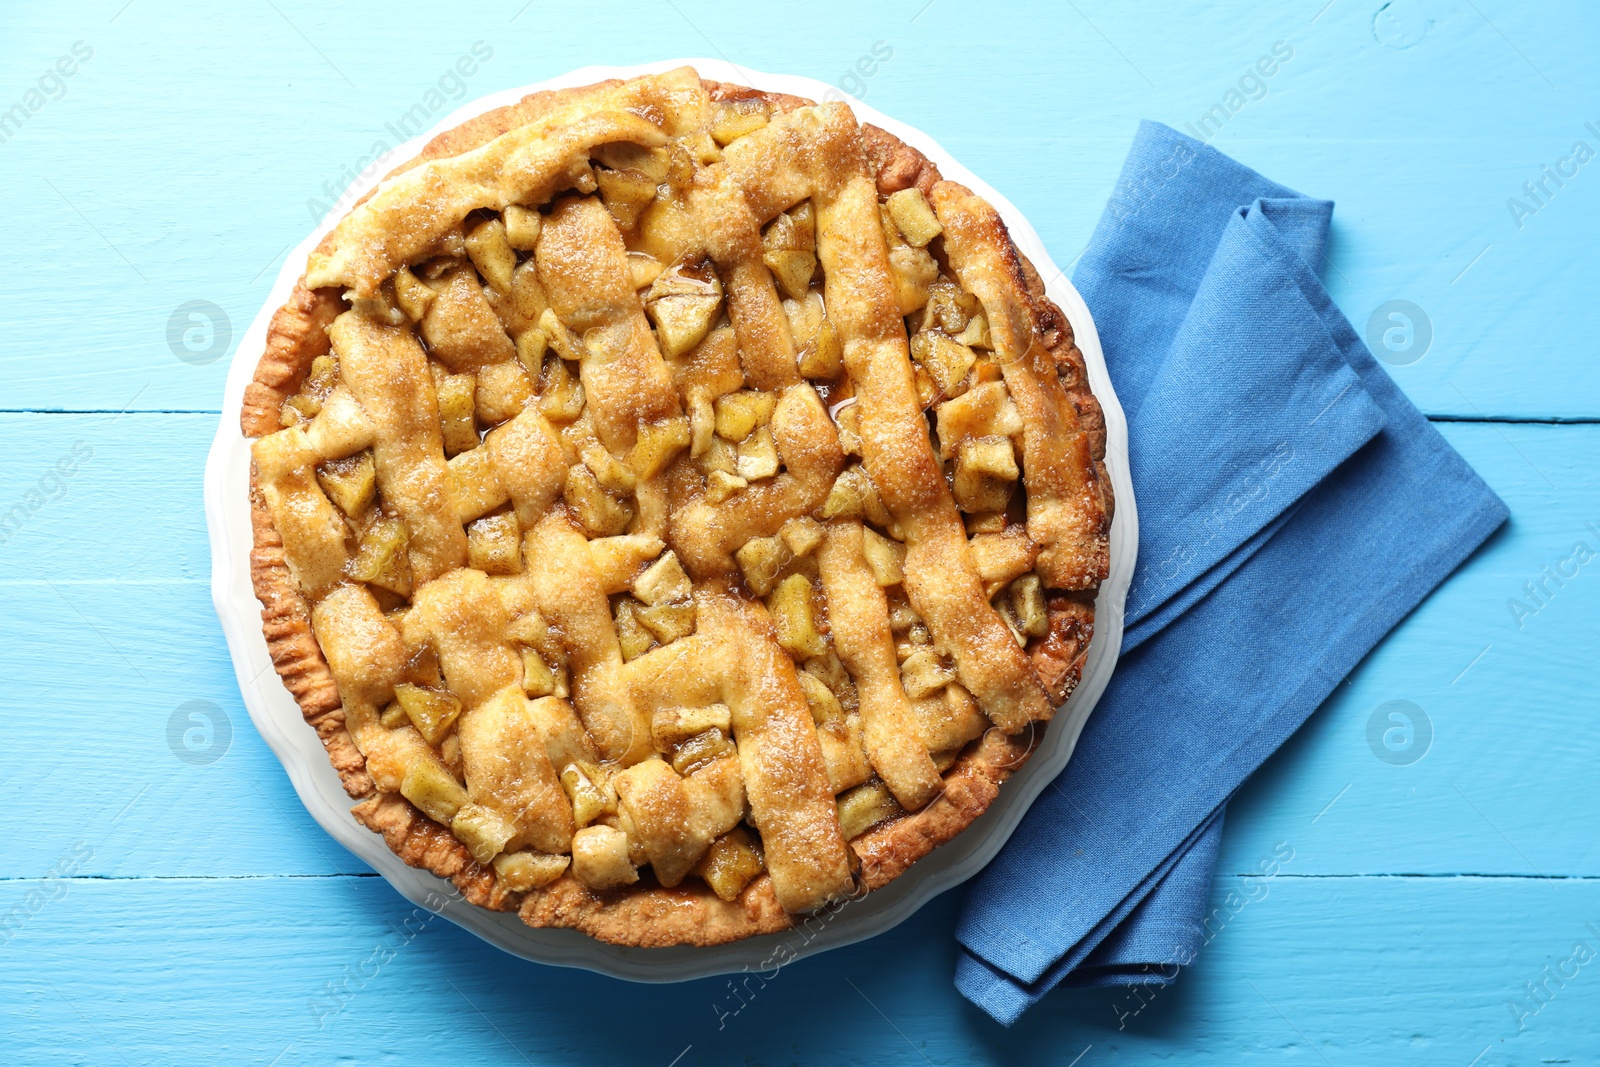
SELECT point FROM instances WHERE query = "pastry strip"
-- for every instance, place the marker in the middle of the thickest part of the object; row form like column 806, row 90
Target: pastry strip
column 677, row 818
column 858, row 617
column 412, row 212
column 584, row 267
column 508, row 768
column 790, row 802
column 313, row 533
column 365, row 656
column 522, row 460
column 386, row 370
column 732, row 235
column 569, row 595
column 341, row 428
column 1066, row 513
column 502, row 748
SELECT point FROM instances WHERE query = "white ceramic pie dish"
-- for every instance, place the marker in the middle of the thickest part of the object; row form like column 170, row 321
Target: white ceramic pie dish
column 278, row 718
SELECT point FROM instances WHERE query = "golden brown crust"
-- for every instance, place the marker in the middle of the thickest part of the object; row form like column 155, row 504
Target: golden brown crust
column 897, row 165
column 646, row 914
column 727, row 91
column 296, row 336
column 286, row 622
column 1059, row 658
column 425, row 844
column 656, row 917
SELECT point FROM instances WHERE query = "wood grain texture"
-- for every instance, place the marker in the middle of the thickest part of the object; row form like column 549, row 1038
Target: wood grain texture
column 90, row 602
column 202, row 119
column 1503, row 791
column 154, row 910
column 323, row 970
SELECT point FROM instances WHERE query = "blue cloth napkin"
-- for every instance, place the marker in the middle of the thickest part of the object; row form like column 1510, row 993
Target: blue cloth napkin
column 1293, row 507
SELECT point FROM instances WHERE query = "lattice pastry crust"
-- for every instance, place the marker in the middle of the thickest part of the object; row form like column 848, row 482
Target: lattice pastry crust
column 676, row 507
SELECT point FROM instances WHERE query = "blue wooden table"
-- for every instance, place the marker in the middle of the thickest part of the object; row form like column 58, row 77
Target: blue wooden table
column 164, row 899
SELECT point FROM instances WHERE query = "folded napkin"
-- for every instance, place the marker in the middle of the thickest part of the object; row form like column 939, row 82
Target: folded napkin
column 1293, row 507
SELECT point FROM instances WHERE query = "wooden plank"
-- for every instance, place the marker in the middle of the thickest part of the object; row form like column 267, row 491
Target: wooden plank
column 105, row 682
column 1422, row 146
column 1511, row 708
column 89, row 601
column 312, row 970
column 107, row 497
column 106, row 623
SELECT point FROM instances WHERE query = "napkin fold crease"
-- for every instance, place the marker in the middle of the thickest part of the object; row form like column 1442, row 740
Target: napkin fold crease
column 1293, row 506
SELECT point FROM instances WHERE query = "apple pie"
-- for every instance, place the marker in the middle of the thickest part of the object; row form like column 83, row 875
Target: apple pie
column 677, row 508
